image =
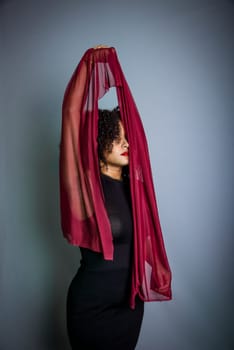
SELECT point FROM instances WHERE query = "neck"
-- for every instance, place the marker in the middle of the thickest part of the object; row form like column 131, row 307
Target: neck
column 114, row 172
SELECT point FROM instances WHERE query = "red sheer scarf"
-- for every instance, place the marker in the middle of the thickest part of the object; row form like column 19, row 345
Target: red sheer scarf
column 84, row 218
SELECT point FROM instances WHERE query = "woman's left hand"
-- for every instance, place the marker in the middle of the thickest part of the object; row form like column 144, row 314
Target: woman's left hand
column 100, row 47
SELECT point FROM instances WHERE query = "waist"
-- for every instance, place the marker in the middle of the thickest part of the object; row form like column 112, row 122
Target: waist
column 94, row 261
column 93, row 286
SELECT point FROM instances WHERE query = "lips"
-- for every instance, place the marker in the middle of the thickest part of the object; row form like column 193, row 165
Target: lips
column 124, row 154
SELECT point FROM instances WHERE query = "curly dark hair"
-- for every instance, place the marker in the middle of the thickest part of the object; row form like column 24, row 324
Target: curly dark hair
column 108, row 130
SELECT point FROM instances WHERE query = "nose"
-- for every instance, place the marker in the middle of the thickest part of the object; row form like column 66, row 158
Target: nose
column 126, row 144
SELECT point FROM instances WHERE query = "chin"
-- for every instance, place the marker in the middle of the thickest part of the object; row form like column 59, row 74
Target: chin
column 126, row 163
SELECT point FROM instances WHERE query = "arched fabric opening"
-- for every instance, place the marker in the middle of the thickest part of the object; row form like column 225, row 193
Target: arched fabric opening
column 84, row 218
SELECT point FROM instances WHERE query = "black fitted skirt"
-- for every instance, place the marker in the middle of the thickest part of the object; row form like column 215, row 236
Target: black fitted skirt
column 98, row 312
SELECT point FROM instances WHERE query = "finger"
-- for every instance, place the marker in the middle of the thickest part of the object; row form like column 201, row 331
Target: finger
column 100, row 46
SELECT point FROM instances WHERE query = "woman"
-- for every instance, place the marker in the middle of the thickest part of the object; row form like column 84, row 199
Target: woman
column 98, row 313
column 108, row 209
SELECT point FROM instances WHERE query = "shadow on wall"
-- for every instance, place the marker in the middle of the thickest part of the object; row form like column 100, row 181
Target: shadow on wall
column 63, row 258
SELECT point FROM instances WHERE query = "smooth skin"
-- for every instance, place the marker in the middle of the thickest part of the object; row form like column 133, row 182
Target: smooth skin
column 115, row 160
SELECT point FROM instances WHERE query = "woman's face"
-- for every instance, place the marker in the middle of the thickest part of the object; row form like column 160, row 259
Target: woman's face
column 118, row 157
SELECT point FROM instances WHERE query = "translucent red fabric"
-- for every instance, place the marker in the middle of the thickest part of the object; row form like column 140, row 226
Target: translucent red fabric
column 84, row 219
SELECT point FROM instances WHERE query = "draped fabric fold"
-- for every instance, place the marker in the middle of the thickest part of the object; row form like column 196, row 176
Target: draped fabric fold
column 84, row 219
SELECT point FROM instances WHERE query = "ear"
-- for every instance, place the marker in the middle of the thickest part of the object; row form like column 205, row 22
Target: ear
column 101, row 163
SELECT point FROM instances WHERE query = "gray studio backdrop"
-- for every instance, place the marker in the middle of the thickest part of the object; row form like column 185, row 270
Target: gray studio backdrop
column 177, row 58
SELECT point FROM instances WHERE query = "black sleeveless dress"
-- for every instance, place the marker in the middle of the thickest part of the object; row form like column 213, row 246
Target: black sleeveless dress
column 98, row 312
